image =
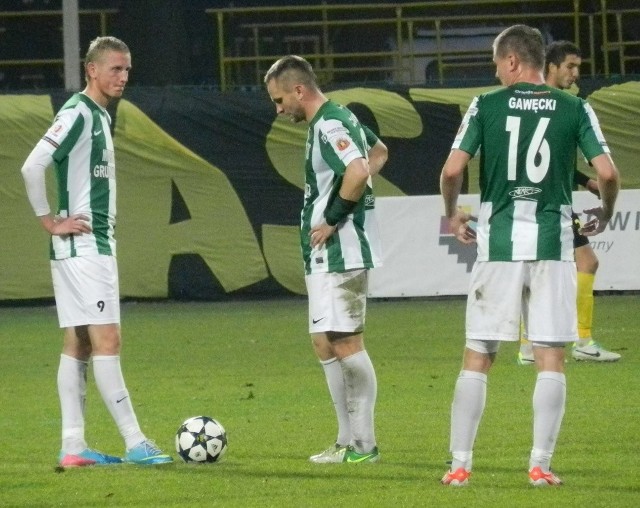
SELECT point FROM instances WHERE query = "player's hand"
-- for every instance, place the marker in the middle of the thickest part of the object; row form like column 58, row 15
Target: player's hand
column 595, row 225
column 461, row 226
column 592, row 187
column 73, row 225
column 320, row 234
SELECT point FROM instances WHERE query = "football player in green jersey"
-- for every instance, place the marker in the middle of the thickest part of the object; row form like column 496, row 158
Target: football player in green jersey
column 83, row 256
column 562, row 70
column 527, row 134
column 339, row 241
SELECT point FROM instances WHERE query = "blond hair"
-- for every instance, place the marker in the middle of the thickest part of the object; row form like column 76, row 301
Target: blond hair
column 99, row 46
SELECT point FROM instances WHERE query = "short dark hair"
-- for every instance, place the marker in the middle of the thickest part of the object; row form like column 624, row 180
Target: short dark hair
column 525, row 41
column 557, row 51
column 292, row 68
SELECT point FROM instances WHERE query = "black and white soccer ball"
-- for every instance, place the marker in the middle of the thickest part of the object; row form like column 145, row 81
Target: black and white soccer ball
column 201, row 439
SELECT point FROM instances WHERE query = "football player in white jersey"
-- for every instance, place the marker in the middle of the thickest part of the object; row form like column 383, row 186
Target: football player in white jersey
column 339, row 242
column 83, row 257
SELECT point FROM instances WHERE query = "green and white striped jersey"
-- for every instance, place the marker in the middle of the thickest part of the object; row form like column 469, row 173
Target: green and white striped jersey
column 85, row 169
column 335, row 138
column 527, row 136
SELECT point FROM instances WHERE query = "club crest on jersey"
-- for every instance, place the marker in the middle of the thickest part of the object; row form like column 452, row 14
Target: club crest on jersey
column 342, row 144
column 524, row 192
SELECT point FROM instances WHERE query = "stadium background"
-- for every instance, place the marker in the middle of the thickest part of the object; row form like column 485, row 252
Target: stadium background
column 209, row 186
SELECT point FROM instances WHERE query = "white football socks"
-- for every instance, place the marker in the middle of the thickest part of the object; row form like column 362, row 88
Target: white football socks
column 361, row 391
column 469, row 398
column 549, row 398
column 110, row 382
column 335, row 382
column 72, row 391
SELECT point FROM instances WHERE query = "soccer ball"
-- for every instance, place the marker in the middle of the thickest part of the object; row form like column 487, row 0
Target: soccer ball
column 201, row 439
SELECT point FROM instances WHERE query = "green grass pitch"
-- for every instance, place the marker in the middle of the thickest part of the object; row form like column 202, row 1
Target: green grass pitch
column 251, row 366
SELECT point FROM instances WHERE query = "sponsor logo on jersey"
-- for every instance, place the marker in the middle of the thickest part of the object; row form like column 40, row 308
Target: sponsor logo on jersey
column 342, row 144
column 533, row 92
column 369, row 201
column 336, row 130
column 523, row 192
column 108, row 167
column 104, row 171
column 108, row 156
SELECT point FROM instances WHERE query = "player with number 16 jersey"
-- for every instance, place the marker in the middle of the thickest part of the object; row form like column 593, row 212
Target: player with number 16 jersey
column 517, row 208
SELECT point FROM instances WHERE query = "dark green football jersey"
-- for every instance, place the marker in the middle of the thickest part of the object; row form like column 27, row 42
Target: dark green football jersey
column 527, row 137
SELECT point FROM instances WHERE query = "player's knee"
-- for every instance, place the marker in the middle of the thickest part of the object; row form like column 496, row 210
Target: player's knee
column 588, row 265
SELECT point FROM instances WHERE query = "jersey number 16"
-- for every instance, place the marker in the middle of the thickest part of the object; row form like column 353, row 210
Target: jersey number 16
column 539, row 147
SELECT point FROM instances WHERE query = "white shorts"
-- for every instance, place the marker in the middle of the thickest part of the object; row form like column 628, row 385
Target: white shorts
column 86, row 290
column 542, row 293
column 337, row 301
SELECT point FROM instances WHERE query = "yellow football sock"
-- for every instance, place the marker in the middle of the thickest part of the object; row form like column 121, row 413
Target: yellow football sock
column 585, row 304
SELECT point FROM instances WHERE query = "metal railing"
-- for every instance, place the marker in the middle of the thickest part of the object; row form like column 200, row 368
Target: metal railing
column 31, row 20
column 614, row 39
column 263, row 34
column 402, row 43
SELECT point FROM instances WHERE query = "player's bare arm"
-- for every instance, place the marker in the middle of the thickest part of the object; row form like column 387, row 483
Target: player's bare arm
column 354, row 183
column 608, row 185
column 592, row 187
column 378, row 155
column 450, row 184
column 451, row 179
column 588, row 183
